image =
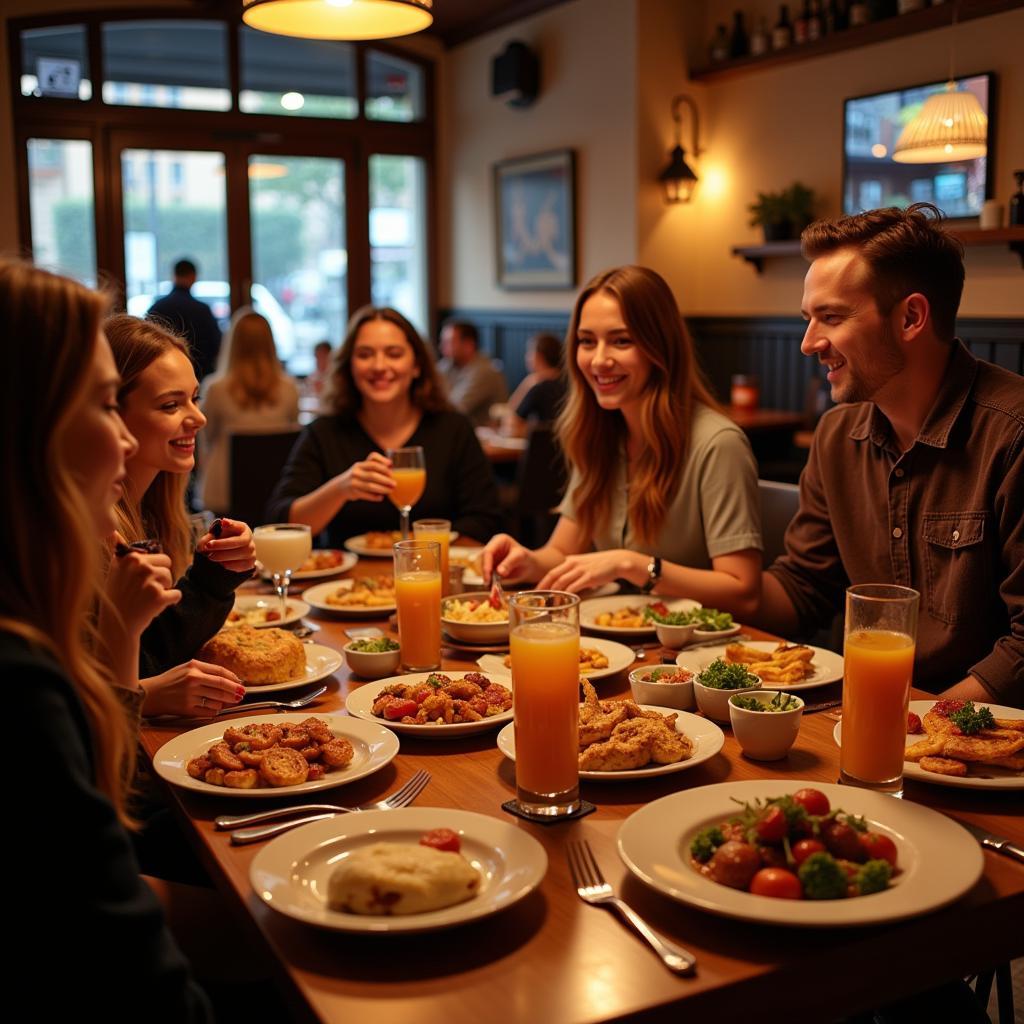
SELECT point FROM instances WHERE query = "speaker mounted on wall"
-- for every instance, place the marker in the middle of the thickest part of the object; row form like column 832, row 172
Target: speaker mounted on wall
column 515, row 75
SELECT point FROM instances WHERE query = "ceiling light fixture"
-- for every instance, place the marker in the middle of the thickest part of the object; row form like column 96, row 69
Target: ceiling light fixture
column 338, row 19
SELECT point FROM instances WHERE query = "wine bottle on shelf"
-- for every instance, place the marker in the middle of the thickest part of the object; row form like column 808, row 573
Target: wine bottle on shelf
column 720, row 44
column 859, row 14
column 759, row 38
column 782, row 33
column 882, row 9
column 836, row 16
column 907, row 6
column 815, row 23
column 801, row 23
column 1017, row 202
column 739, row 42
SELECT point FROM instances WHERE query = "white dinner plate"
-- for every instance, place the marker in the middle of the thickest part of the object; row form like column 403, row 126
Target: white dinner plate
column 706, row 736
column 938, row 860
column 828, row 666
column 257, row 602
column 347, row 561
column 358, row 546
column 321, row 661
column 373, row 746
column 994, row 778
column 594, row 606
column 317, row 597
column 291, row 873
column 619, row 657
column 360, row 703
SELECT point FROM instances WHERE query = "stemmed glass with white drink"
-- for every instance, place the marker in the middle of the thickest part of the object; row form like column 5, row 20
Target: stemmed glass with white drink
column 282, row 548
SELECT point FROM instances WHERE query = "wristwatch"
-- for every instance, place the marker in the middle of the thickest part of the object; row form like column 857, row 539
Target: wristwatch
column 653, row 575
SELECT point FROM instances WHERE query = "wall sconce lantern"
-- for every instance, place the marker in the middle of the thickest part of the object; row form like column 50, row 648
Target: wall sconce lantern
column 678, row 179
column 338, row 19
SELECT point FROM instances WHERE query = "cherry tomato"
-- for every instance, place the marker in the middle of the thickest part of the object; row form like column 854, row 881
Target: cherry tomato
column 914, row 723
column 813, row 801
column 422, row 694
column 441, row 839
column 878, row 846
column 804, row 848
column 772, row 826
column 399, row 709
column 777, row 882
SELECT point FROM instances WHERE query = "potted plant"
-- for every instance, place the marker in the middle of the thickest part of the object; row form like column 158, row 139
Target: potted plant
column 783, row 214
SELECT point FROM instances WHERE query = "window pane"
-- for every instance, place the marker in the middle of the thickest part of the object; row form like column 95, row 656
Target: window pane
column 394, row 88
column 299, row 260
column 398, row 235
column 60, row 200
column 55, row 62
column 174, row 208
column 181, row 64
column 304, row 77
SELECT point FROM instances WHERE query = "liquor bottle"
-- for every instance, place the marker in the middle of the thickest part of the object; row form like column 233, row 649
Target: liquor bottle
column 906, row 6
column 859, row 14
column 759, row 38
column 782, row 34
column 801, row 23
column 739, row 43
column 815, row 23
column 1017, row 201
column 882, row 9
column 720, row 44
column 836, row 18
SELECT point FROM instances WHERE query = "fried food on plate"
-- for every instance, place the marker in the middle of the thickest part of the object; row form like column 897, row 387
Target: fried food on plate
column 944, row 766
column 367, row 592
column 788, row 663
column 947, row 750
column 257, row 655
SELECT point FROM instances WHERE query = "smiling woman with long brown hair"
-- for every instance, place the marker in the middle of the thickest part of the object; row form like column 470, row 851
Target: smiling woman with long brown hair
column 663, row 485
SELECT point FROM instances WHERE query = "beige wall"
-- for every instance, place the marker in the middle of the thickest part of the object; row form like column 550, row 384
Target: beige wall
column 587, row 102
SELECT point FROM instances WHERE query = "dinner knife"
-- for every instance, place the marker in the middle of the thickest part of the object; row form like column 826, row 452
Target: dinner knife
column 999, row 844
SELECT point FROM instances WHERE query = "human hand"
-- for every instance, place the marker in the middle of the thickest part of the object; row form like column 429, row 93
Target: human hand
column 581, row 572
column 139, row 586
column 508, row 558
column 369, row 480
column 230, row 545
column 195, row 689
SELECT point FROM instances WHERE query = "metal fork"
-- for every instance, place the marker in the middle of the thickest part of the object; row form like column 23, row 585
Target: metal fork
column 592, row 888
column 400, row 798
column 301, row 702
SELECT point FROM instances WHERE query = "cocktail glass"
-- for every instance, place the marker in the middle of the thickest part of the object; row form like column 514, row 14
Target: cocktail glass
column 409, row 469
column 282, row 548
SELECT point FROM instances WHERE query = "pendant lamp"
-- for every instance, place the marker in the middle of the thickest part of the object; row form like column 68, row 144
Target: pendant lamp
column 338, row 19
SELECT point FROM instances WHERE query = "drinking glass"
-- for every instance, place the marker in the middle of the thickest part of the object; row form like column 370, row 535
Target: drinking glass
column 878, row 664
column 418, row 596
column 544, row 633
column 282, row 548
column 439, row 531
column 410, row 472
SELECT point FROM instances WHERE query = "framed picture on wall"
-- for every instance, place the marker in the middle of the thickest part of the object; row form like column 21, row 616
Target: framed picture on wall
column 535, row 221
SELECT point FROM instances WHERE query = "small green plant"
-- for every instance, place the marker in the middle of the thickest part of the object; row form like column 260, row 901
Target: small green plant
column 783, row 214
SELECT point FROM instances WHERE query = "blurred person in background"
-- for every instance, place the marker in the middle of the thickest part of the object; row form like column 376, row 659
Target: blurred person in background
column 541, row 393
column 185, row 315
column 474, row 382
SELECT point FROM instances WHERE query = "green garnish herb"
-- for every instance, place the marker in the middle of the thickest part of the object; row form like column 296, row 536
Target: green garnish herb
column 375, row 645
column 711, row 619
column 873, row 877
column 822, row 877
column 705, row 843
column 780, row 702
column 970, row 719
column 723, row 675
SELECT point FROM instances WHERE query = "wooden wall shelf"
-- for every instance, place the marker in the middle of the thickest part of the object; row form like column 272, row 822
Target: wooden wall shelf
column 1012, row 238
column 880, row 31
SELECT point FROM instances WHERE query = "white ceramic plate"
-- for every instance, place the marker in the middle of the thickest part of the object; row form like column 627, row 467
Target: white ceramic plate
column 470, row 577
column 707, row 739
column 828, row 666
column 317, row 597
column 619, row 657
column 360, row 703
column 700, row 635
column 253, row 602
column 321, row 661
column 594, row 606
column 374, row 747
column 347, row 561
column 291, row 873
column 939, row 861
column 358, row 546
column 995, row 778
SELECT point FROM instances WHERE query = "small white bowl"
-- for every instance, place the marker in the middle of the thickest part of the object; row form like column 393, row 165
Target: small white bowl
column 661, row 695
column 765, row 735
column 716, row 634
column 714, row 703
column 474, row 632
column 674, row 636
column 372, row 664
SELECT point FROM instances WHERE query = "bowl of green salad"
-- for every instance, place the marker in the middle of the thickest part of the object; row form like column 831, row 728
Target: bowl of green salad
column 717, row 682
column 765, row 723
column 676, row 629
column 373, row 657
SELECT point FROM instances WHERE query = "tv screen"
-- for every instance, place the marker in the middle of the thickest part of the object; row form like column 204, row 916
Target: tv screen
column 871, row 178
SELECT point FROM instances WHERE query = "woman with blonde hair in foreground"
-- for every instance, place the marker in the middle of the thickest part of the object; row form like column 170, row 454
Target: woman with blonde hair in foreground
column 90, row 933
column 663, row 486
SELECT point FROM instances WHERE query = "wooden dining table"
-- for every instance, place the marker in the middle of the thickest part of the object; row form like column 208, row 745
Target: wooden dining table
column 552, row 958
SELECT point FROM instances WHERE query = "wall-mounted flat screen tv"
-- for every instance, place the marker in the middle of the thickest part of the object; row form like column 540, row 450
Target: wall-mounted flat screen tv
column 871, row 178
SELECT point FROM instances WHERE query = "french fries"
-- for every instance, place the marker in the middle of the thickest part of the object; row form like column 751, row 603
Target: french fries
column 788, row 663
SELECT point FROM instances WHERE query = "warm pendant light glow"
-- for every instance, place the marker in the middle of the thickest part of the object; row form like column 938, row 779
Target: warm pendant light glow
column 950, row 126
column 264, row 170
column 339, row 19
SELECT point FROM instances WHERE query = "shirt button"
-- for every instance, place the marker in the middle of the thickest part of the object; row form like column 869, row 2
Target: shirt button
column 956, row 535
column 897, row 533
column 899, row 474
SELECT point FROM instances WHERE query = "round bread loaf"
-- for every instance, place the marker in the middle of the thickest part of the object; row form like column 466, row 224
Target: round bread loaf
column 257, row 655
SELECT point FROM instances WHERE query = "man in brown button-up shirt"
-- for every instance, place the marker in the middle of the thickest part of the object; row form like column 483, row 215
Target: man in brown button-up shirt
column 919, row 479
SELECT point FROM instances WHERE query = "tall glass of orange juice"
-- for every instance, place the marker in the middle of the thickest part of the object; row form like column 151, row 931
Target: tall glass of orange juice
column 418, row 596
column 878, row 665
column 409, row 469
column 439, row 531
column 544, row 633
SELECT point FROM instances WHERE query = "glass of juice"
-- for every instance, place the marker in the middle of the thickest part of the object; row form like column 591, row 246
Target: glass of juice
column 409, row 469
column 544, row 632
column 282, row 548
column 878, row 665
column 439, row 531
column 418, row 596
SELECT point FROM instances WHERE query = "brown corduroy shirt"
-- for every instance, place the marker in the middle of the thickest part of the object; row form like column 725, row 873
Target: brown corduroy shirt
column 945, row 517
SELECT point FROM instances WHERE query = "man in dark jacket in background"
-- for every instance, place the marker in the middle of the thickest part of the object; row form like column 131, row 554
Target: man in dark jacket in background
column 190, row 318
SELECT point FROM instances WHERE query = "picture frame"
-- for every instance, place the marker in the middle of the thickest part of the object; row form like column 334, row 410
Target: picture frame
column 535, row 221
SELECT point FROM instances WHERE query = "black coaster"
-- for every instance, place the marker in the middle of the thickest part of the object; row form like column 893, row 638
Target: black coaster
column 511, row 807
